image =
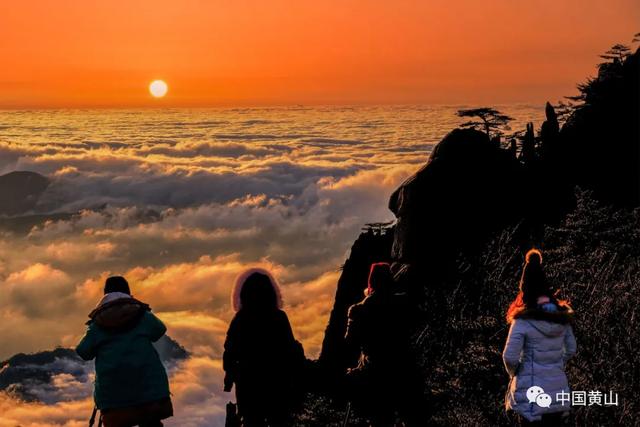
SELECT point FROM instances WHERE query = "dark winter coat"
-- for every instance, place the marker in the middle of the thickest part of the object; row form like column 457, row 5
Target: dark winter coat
column 380, row 327
column 128, row 369
column 387, row 379
column 260, row 350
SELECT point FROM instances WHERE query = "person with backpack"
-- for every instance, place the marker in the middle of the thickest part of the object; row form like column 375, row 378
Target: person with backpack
column 131, row 384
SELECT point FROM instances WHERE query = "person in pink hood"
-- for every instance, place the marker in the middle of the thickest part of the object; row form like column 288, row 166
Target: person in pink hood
column 261, row 355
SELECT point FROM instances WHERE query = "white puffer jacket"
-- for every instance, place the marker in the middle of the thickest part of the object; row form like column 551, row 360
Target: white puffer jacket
column 538, row 346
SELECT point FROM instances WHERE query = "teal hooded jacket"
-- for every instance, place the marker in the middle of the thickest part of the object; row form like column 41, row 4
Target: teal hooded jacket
column 120, row 336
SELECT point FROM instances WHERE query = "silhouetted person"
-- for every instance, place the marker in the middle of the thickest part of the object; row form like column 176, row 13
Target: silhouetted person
column 131, row 385
column 261, row 355
column 386, row 380
column 539, row 344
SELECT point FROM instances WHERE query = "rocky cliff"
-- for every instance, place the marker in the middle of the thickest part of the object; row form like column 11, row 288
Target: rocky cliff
column 465, row 219
column 371, row 246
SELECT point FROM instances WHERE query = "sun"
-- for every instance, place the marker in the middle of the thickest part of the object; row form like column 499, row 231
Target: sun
column 158, row 88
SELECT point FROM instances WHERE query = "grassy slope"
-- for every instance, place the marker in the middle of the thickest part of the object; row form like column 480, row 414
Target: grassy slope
column 593, row 258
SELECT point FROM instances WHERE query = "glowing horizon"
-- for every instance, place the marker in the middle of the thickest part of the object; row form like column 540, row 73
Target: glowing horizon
column 354, row 52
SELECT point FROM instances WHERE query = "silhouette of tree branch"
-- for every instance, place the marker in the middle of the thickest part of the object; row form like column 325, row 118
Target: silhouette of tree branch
column 490, row 120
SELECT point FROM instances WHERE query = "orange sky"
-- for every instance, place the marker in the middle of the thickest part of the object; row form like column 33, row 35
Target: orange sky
column 67, row 53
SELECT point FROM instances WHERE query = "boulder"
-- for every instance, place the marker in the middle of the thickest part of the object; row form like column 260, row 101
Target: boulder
column 468, row 188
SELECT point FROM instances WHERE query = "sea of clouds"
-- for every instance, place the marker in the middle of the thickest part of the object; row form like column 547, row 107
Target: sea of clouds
column 180, row 202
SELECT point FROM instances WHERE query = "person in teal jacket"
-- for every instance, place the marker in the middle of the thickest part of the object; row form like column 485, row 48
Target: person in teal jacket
column 131, row 384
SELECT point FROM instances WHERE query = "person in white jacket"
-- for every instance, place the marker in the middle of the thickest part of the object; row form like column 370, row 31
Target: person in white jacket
column 539, row 344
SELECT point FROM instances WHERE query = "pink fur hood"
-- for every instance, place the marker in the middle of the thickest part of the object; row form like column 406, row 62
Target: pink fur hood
column 242, row 278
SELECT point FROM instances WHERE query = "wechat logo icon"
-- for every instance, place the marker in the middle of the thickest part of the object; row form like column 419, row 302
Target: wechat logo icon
column 537, row 395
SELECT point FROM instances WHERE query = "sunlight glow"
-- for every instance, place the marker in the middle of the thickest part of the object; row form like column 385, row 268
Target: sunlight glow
column 158, row 88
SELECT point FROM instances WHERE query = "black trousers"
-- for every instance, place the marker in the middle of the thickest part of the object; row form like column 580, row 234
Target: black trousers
column 145, row 415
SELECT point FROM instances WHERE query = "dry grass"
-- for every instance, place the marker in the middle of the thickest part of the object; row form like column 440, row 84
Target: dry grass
column 593, row 258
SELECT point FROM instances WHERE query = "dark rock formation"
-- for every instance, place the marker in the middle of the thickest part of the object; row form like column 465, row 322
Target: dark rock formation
column 23, row 224
column 19, row 373
column 549, row 133
column 20, row 191
column 468, row 188
column 170, row 350
column 370, row 247
column 549, row 184
column 600, row 141
column 528, row 153
column 456, row 243
column 29, row 376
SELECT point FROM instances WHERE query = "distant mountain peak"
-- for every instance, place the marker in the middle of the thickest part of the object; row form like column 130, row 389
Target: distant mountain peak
column 20, row 191
column 30, row 377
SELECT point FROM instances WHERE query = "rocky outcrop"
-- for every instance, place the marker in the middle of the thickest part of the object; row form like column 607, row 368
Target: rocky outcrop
column 371, row 246
column 468, row 188
column 30, row 376
column 20, row 192
column 601, row 139
column 549, row 132
column 464, row 221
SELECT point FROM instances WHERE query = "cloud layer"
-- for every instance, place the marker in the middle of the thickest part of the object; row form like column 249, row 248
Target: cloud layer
column 181, row 202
